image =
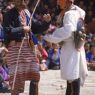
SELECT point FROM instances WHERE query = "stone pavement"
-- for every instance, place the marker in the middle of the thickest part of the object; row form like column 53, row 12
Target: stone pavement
column 51, row 84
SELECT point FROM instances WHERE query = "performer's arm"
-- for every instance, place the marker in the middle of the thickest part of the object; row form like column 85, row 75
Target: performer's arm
column 7, row 24
column 39, row 26
column 64, row 32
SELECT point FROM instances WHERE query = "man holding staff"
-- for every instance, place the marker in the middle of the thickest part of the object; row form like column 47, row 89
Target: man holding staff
column 21, row 58
column 73, row 62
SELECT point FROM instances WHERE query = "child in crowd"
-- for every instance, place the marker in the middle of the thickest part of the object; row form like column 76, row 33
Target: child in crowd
column 91, row 57
column 92, row 50
column 53, row 61
column 87, row 51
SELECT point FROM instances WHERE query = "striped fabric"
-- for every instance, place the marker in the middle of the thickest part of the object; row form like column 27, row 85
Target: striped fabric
column 28, row 67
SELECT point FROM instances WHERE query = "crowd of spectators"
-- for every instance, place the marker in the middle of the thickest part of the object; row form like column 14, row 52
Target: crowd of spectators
column 50, row 53
column 89, row 7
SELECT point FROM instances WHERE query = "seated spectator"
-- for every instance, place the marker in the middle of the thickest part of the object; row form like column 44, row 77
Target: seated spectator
column 91, row 63
column 43, row 55
column 89, row 54
column 41, row 40
column 53, row 61
column 93, row 53
column 87, row 51
column 43, row 52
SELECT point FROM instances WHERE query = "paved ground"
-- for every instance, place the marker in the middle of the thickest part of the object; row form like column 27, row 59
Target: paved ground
column 51, row 84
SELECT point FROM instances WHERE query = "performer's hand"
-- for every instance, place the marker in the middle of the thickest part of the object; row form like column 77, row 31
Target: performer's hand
column 47, row 17
column 27, row 28
column 5, row 49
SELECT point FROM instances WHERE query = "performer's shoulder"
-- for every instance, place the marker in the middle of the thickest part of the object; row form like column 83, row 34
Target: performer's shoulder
column 78, row 8
column 81, row 11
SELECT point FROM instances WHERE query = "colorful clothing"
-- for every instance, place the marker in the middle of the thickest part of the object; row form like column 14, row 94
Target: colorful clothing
column 27, row 66
column 28, row 69
column 73, row 62
column 3, row 74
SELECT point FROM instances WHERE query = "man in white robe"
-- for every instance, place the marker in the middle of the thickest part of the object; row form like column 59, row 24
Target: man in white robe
column 73, row 62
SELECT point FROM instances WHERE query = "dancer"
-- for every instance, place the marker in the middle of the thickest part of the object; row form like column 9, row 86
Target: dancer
column 73, row 62
column 21, row 58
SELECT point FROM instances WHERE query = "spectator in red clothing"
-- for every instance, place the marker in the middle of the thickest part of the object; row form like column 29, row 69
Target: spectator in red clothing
column 43, row 57
column 53, row 60
column 42, row 51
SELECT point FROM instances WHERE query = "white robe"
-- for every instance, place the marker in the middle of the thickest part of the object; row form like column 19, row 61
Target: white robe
column 73, row 62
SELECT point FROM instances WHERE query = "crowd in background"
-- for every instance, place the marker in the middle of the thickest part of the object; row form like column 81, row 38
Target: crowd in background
column 49, row 53
column 89, row 7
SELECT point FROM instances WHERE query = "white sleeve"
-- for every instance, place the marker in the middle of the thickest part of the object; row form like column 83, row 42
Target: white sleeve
column 64, row 32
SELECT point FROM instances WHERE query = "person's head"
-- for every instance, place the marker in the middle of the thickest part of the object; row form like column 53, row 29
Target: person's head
column 21, row 4
column 65, row 4
column 92, row 48
column 87, row 46
column 93, row 38
column 40, row 47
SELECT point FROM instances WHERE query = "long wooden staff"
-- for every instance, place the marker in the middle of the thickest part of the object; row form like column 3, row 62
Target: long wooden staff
column 30, row 23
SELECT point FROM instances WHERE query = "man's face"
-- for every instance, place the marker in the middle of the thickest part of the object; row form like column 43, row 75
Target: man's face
column 68, row 4
column 61, row 3
column 21, row 3
column 64, row 4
